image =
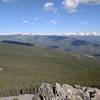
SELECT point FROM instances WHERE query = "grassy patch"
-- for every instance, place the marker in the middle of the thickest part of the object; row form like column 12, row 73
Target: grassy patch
column 25, row 68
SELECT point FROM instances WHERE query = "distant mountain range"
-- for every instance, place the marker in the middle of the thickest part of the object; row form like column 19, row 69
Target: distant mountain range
column 87, row 45
column 57, row 33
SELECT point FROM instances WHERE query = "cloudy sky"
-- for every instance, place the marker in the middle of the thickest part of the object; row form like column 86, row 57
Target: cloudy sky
column 49, row 16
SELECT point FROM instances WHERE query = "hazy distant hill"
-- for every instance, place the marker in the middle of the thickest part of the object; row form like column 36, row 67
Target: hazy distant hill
column 84, row 44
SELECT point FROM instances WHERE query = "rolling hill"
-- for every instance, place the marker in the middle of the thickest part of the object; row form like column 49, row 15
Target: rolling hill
column 86, row 45
column 23, row 68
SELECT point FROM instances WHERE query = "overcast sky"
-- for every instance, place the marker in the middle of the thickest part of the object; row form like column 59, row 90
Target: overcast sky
column 49, row 16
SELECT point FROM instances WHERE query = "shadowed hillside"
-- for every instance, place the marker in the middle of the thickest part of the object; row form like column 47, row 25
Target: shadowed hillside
column 17, row 43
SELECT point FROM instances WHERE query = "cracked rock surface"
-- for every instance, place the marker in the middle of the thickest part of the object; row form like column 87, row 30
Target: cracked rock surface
column 66, row 92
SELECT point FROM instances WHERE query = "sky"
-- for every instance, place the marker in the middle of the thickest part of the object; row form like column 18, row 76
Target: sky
column 43, row 16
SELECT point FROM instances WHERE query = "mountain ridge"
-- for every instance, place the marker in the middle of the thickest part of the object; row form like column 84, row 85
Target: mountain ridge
column 88, row 45
column 55, row 33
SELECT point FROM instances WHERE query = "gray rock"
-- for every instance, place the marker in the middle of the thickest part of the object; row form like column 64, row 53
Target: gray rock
column 66, row 92
column 61, row 92
column 46, row 91
column 36, row 97
column 87, row 96
column 96, row 95
column 78, row 87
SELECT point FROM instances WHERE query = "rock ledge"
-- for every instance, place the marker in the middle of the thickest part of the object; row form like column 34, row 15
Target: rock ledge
column 66, row 92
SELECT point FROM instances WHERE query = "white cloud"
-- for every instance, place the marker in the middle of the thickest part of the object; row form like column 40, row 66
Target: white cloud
column 84, row 22
column 49, row 6
column 23, row 20
column 55, row 10
column 90, row 1
column 71, row 5
column 38, row 17
column 53, row 21
column 9, row 1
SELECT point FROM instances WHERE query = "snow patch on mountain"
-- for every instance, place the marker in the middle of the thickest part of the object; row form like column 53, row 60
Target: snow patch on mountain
column 55, row 33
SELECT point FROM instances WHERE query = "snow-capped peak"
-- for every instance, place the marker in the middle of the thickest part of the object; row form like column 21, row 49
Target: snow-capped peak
column 55, row 33
column 82, row 34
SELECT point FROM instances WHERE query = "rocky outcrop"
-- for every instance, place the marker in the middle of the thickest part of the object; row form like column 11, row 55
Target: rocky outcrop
column 60, row 92
column 66, row 92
